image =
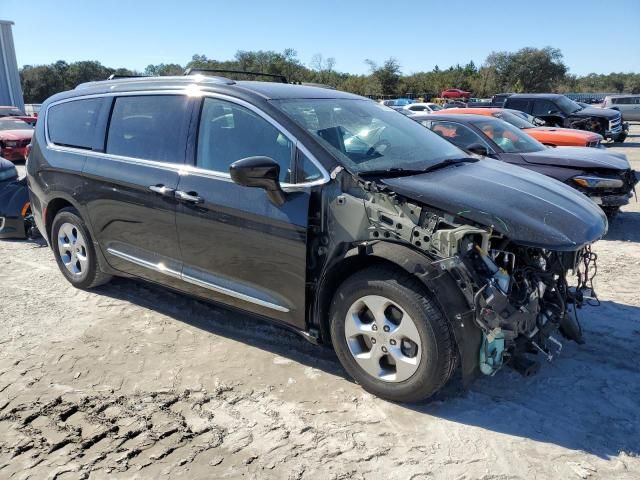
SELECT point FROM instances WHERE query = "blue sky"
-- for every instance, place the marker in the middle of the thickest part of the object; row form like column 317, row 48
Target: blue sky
column 594, row 35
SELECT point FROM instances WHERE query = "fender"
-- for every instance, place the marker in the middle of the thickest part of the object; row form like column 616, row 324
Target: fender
column 438, row 280
column 47, row 219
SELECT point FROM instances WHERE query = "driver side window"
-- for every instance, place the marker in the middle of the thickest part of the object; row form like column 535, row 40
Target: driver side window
column 458, row 134
column 543, row 107
column 229, row 132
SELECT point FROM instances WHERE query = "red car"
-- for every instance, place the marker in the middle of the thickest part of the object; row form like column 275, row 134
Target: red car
column 15, row 112
column 15, row 135
column 454, row 93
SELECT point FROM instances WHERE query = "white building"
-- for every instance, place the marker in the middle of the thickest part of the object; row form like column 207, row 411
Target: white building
column 10, row 90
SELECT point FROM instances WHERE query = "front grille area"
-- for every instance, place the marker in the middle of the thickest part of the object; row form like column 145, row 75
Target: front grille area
column 615, row 122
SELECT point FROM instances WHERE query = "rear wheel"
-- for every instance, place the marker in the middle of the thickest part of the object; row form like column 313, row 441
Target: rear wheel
column 74, row 250
column 390, row 336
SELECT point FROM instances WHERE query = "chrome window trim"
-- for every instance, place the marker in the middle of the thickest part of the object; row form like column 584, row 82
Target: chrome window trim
column 182, row 168
column 160, row 268
column 2, row 221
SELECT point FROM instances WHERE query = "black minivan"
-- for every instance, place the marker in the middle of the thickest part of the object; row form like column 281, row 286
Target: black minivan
column 318, row 209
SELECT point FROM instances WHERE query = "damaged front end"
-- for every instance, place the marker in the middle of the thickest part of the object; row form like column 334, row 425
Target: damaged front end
column 506, row 301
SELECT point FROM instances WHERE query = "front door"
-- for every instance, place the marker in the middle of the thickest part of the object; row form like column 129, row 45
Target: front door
column 131, row 185
column 237, row 246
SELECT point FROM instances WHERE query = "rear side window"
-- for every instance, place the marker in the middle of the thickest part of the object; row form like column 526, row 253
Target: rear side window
column 544, row 107
column 148, row 127
column 72, row 124
column 516, row 103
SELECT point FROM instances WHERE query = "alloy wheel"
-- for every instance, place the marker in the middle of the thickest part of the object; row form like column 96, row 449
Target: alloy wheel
column 383, row 338
column 72, row 248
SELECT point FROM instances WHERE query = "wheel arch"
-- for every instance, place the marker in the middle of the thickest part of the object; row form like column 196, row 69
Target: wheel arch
column 439, row 283
column 57, row 203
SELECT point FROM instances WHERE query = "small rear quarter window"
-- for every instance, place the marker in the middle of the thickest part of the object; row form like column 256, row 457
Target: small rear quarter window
column 72, row 124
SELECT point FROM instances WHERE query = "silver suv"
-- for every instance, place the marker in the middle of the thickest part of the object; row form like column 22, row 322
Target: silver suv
column 628, row 105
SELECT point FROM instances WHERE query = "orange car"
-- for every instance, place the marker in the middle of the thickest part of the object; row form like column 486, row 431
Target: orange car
column 556, row 137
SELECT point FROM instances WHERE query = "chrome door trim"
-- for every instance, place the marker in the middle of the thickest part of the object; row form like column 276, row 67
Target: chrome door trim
column 233, row 293
column 161, row 268
column 157, row 267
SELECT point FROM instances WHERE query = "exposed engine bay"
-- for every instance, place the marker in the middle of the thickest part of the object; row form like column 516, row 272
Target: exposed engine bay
column 518, row 296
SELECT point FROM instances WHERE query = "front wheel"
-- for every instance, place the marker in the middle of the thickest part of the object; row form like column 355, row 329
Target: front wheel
column 74, row 250
column 390, row 336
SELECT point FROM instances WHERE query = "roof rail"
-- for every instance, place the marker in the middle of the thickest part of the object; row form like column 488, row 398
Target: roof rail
column 192, row 71
column 114, row 76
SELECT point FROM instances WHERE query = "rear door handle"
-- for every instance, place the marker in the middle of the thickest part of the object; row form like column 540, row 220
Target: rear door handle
column 190, row 197
column 162, row 190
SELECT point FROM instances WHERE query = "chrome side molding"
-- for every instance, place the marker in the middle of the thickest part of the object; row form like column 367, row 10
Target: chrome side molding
column 162, row 268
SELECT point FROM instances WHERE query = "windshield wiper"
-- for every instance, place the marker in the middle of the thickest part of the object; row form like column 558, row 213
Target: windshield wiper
column 451, row 161
column 392, row 172
column 403, row 172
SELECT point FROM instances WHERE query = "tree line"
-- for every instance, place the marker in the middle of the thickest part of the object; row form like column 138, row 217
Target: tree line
column 526, row 70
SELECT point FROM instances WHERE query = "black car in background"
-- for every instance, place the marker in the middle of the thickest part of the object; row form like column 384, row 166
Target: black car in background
column 15, row 211
column 321, row 210
column 605, row 177
column 560, row 111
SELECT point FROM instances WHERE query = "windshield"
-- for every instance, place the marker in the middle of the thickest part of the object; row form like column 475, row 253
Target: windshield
column 567, row 105
column 435, row 107
column 514, row 120
column 366, row 136
column 14, row 125
column 509, row 138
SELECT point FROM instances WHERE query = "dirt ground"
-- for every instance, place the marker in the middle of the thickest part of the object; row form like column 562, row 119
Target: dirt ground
column 134, row 381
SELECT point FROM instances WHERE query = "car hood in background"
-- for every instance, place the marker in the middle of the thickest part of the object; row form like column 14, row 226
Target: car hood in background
column 581, row 136
column 527, row 207
column 578, row 157
column 596, row 112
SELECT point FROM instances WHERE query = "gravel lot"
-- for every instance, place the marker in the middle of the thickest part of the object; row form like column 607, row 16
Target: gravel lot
column 134, row 381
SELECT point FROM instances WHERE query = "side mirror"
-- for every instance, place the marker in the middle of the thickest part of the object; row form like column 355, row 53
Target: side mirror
column 478, row 149
column 261, row 172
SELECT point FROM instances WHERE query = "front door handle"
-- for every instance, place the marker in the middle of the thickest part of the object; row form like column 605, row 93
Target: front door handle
column 191, row 197
column 162, row 190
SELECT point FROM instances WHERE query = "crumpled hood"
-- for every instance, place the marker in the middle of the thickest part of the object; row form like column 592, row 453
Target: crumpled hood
column 527, row 207
column 608, row 113
column 578, row 157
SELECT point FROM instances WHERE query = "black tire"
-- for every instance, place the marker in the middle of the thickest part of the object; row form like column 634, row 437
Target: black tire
column 90, row 276
column 438, row 352
column 611, row 212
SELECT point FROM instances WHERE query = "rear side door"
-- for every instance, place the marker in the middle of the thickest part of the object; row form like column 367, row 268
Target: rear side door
column 237, row 246
column 131, row 184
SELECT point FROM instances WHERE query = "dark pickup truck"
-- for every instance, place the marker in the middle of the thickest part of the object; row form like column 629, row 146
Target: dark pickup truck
column 559, row 111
